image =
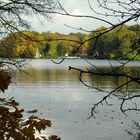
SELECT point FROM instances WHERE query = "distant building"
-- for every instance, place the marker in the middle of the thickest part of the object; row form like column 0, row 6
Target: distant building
column 38, row 55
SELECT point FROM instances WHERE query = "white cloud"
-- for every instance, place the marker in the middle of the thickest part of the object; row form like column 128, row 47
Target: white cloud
column 77, row 12
column 76, row 7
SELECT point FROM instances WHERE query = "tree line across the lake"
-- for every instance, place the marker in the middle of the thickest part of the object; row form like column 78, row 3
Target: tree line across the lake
column 118, row 43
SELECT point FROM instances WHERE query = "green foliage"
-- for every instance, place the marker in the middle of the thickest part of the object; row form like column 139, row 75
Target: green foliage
column 26, row 44
column 117, row 43
column 61, row 49
column 53, row 50
column 135, row 28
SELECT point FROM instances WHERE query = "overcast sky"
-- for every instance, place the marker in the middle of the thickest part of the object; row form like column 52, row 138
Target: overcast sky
column 74, row 7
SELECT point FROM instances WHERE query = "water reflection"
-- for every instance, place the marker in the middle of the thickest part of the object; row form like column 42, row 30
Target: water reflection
column 46, row 77
column 61, row 75
column 58, row 94
column 106, row 82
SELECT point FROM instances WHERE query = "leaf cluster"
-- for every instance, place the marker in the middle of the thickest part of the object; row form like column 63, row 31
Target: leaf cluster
column 120, row 43
column 13, row 124
column 49, row 45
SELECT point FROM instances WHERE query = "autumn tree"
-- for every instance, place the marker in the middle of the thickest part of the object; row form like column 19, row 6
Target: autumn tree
column 12, row 19
column 115, row 44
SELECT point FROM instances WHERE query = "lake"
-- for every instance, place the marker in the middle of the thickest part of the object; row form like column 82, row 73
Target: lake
column 59, row 96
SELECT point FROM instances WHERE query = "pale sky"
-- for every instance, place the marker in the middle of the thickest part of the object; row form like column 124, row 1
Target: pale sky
column 74, row 7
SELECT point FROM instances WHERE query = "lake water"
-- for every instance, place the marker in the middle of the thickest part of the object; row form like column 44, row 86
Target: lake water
column 59, row 96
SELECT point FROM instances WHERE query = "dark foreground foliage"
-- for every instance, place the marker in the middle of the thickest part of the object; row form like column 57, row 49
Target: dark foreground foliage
column 13, row 125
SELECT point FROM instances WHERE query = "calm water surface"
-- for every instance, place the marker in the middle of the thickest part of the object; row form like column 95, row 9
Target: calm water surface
column 59, row 96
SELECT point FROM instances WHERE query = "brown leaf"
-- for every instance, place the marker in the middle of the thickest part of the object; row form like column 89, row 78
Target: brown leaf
column 46, row 122
column 41, row 125
column 54, row 137
column 32, row 111
column 13, row 103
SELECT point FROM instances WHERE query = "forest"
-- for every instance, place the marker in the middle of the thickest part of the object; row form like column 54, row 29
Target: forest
column 115, row 44
column 116, row 40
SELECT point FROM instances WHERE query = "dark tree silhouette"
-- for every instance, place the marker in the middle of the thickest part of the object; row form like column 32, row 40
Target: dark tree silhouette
column 121, row 12
column 12, row 19
column 47, row 47
column 13, row 13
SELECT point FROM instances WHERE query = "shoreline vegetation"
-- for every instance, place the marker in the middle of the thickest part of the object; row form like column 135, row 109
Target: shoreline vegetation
column 116, row 44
